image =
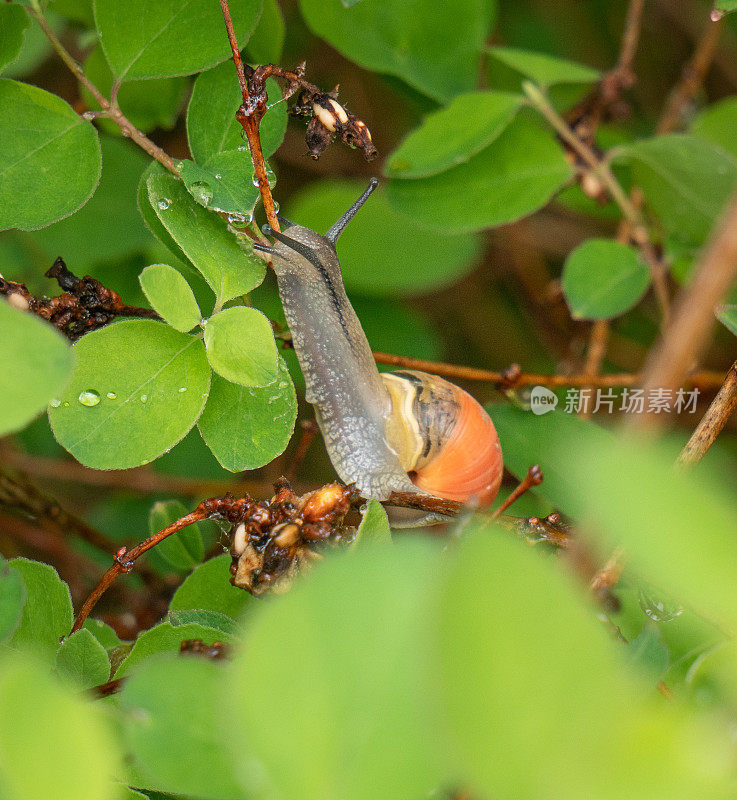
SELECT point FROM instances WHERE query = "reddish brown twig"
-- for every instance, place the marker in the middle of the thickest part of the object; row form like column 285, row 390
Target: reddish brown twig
column 534, row 477
column 512, row 377
column 249, row 115
column 598, row 339
column 124, row 559
column 713, row 421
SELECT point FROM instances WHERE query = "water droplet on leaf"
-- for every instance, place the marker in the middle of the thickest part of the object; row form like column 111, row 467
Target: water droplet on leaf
column 658, row 607
column 144, row 397
column 89, row 398
column 111, row 395
column 54, row 402
column 164, row 204
column 182, row 389
column 201, row 192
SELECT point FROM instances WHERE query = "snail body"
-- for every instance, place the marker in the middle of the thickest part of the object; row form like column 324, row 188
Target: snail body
column 392, row 432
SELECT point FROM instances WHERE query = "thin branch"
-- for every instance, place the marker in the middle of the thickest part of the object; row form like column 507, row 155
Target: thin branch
column 249, row 116
column 598, row 340
column 124, row 559
column 534, row 477
column 688, row 333
column 600, row 168
column 713, row 421
column 111, row 110
column 692, row 77
column 513, row 377
column 630, row 40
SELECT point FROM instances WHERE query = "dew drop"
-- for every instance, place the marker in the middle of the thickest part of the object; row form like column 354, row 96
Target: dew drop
column 276, row 207
column 111, row 395
column 242, row 148
column 254, row 179
column 180, row 166
column 202, row 192
column 218, row 176
column 659, row 608
column 66, row 405
column 54, row 402
column 182, row 389
column 270, row 177
column 144, row 398
column 164, row 204
column 89, row 398
column 236, row 219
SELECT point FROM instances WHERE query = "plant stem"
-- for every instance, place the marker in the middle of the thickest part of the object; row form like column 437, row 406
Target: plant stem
column 249, row 115
column 602, row 170
column 111, row 110
column 713, row 421
column 512, row 377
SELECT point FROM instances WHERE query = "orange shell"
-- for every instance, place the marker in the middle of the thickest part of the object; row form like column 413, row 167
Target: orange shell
column 469, row 465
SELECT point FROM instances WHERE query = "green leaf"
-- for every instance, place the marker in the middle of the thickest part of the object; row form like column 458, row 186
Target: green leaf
column 148, row 104
column 240, row 346
column 89, row 238
column 382, row 252
column 170, row 296
column 167, row 638
column 664, row 506
column 138, row 387
column 173, row 728
column 717, row 125
column 727, row 315
column 224, row 185
column 450, row 136
column 36, row 365
column 267, row 42
column 104, row 634
column 685, row 181
column 13, row 23
column 505, row 614
column 437, row 53
column 529, row 439
column 649, row 653
column 358, row 633
column 146, row 210
column 212, row 620
column 603, row 279
column 545, row 70
column 83, row 660
column 182, row 550
column 374, row 528
column 247, row 427
column 517, row 174
column 49, row 157
column 211, row 124
column 208, row 587
column 12, row 600
column 725, row 6
column 53, row 743
column 47, row 614
column 205, row 239
column 171, row 37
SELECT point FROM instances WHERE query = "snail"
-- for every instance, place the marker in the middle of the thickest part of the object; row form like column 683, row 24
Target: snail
column 403, row 431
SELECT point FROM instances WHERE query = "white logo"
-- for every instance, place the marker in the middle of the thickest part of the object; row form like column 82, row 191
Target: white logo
column 542, row 400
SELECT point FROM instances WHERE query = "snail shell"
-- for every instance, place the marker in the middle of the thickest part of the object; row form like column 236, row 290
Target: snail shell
column 444, row 438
